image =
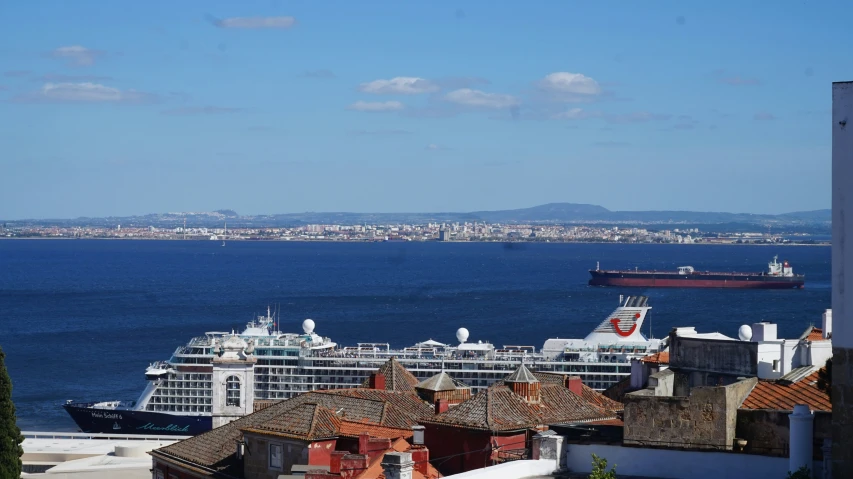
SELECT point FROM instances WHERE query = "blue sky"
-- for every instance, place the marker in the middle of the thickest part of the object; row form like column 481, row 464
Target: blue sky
column 119, row 108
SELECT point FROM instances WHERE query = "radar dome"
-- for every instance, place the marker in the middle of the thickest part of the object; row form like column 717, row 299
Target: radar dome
column 462, row 335
column 308, row 326
column 744, row 333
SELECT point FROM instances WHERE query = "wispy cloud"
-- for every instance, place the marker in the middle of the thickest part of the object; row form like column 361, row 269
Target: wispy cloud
column 399, row 86
column 453, row 83
column 435, row 147
column 16, row 73
column 54, row 77
column 254, row 23
column 764, row 116
column 390, row 132
column 376, row 106
column 637, row 117
column 480, row 99
column 577, row 114
column 83, row 93
column 77, row 55
column 201, row 110
column 739, row 81
column 571, row 83
column 620, row 118
column 323, row 74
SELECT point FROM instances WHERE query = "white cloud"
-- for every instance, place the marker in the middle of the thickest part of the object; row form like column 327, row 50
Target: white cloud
column 434, row 147
column 376, row 106
column 480, row 99
column 399, row 86
column 577, row 114
column 76, row 55
column 201, row 110
column 764, row 116
column 573, row 83
column 82, row 93
column 637, row 117
column 256, row 22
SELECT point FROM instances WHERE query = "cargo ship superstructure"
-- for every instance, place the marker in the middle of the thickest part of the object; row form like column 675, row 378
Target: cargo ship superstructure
column 777, row 276
column 217, row 377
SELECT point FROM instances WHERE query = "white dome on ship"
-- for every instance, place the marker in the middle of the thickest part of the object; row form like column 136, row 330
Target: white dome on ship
column 744, row 333
column 462, row 335
column 308, row 326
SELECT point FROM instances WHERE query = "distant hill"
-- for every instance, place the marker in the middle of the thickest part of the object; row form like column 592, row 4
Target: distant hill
column 567, row 213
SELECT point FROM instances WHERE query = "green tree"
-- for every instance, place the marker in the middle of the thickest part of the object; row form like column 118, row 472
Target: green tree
column 10, row 435
column 599, row 469
column 824, row 379
column 801, row 473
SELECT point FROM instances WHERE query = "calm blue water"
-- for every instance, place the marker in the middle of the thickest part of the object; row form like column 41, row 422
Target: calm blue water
column 82, row 319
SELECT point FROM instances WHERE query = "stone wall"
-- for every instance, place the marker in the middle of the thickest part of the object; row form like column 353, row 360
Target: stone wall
column 768, row 432
column 705, row 419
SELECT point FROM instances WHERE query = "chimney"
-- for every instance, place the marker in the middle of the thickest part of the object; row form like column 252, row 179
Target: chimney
column 335, row 461
column 418, row 435
column 420, row 456
column 441, row 406
column 377, row 381
column 574, row 384
column 397, row 465
column 827, row 324
column 363, row 442
column 352, row 465
column 801, row 429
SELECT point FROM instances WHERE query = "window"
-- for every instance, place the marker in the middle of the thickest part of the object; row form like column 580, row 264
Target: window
column 158, row 474
column 232, row 391
column 275, row 457
column 775, row 365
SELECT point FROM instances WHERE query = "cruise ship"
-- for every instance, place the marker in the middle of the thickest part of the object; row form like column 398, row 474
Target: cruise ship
column 217, row 377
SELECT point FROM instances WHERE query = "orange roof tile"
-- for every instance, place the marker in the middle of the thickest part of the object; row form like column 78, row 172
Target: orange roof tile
column 657, row 358
column 781, row 395
column 816, row 334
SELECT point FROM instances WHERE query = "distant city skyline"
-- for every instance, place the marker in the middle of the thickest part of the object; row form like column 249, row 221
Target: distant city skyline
column 120, row 109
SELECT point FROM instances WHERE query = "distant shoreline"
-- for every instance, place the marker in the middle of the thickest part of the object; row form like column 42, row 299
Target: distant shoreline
column 398, row 242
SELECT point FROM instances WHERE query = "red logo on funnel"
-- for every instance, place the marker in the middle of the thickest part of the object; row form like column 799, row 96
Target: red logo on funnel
column 615, row 322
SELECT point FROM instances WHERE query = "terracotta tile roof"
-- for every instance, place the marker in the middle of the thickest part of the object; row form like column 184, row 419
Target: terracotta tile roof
column 589, row 395
column 441, row 382
column 814, row 334
column 521, row 375
column 784, row 395
column 495, row 409
column 215, row 449
column 308, row 422
column 657, row 358
column 397, row 377
column 600, row 400
column 500, row 409
column 355, row 429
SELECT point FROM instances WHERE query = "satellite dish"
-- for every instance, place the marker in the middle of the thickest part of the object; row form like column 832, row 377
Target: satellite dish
column 462, row 335
column 308, row 326
column 744, row 333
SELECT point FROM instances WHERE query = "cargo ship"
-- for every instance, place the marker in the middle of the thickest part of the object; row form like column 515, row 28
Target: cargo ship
column 777, row 276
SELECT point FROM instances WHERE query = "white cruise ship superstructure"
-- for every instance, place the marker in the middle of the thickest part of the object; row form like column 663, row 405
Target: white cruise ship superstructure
column 217, row 377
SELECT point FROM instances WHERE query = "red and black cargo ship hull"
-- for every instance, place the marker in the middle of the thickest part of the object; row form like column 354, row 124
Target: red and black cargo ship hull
column 654, row 279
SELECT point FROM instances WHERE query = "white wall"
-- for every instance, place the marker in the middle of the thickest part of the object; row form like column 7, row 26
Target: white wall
column 511, row 470
column 668, row 463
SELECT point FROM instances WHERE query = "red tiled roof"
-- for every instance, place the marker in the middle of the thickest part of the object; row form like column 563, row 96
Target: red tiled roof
column 499, row 409
column 397, row 377
column 657, row 358
column 781, row 395
column 215, row 449
column 374, row 469
column 816, row 334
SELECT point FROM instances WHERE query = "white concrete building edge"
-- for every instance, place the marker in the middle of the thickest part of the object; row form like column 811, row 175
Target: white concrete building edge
column 842, row 209
column 512, row 470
